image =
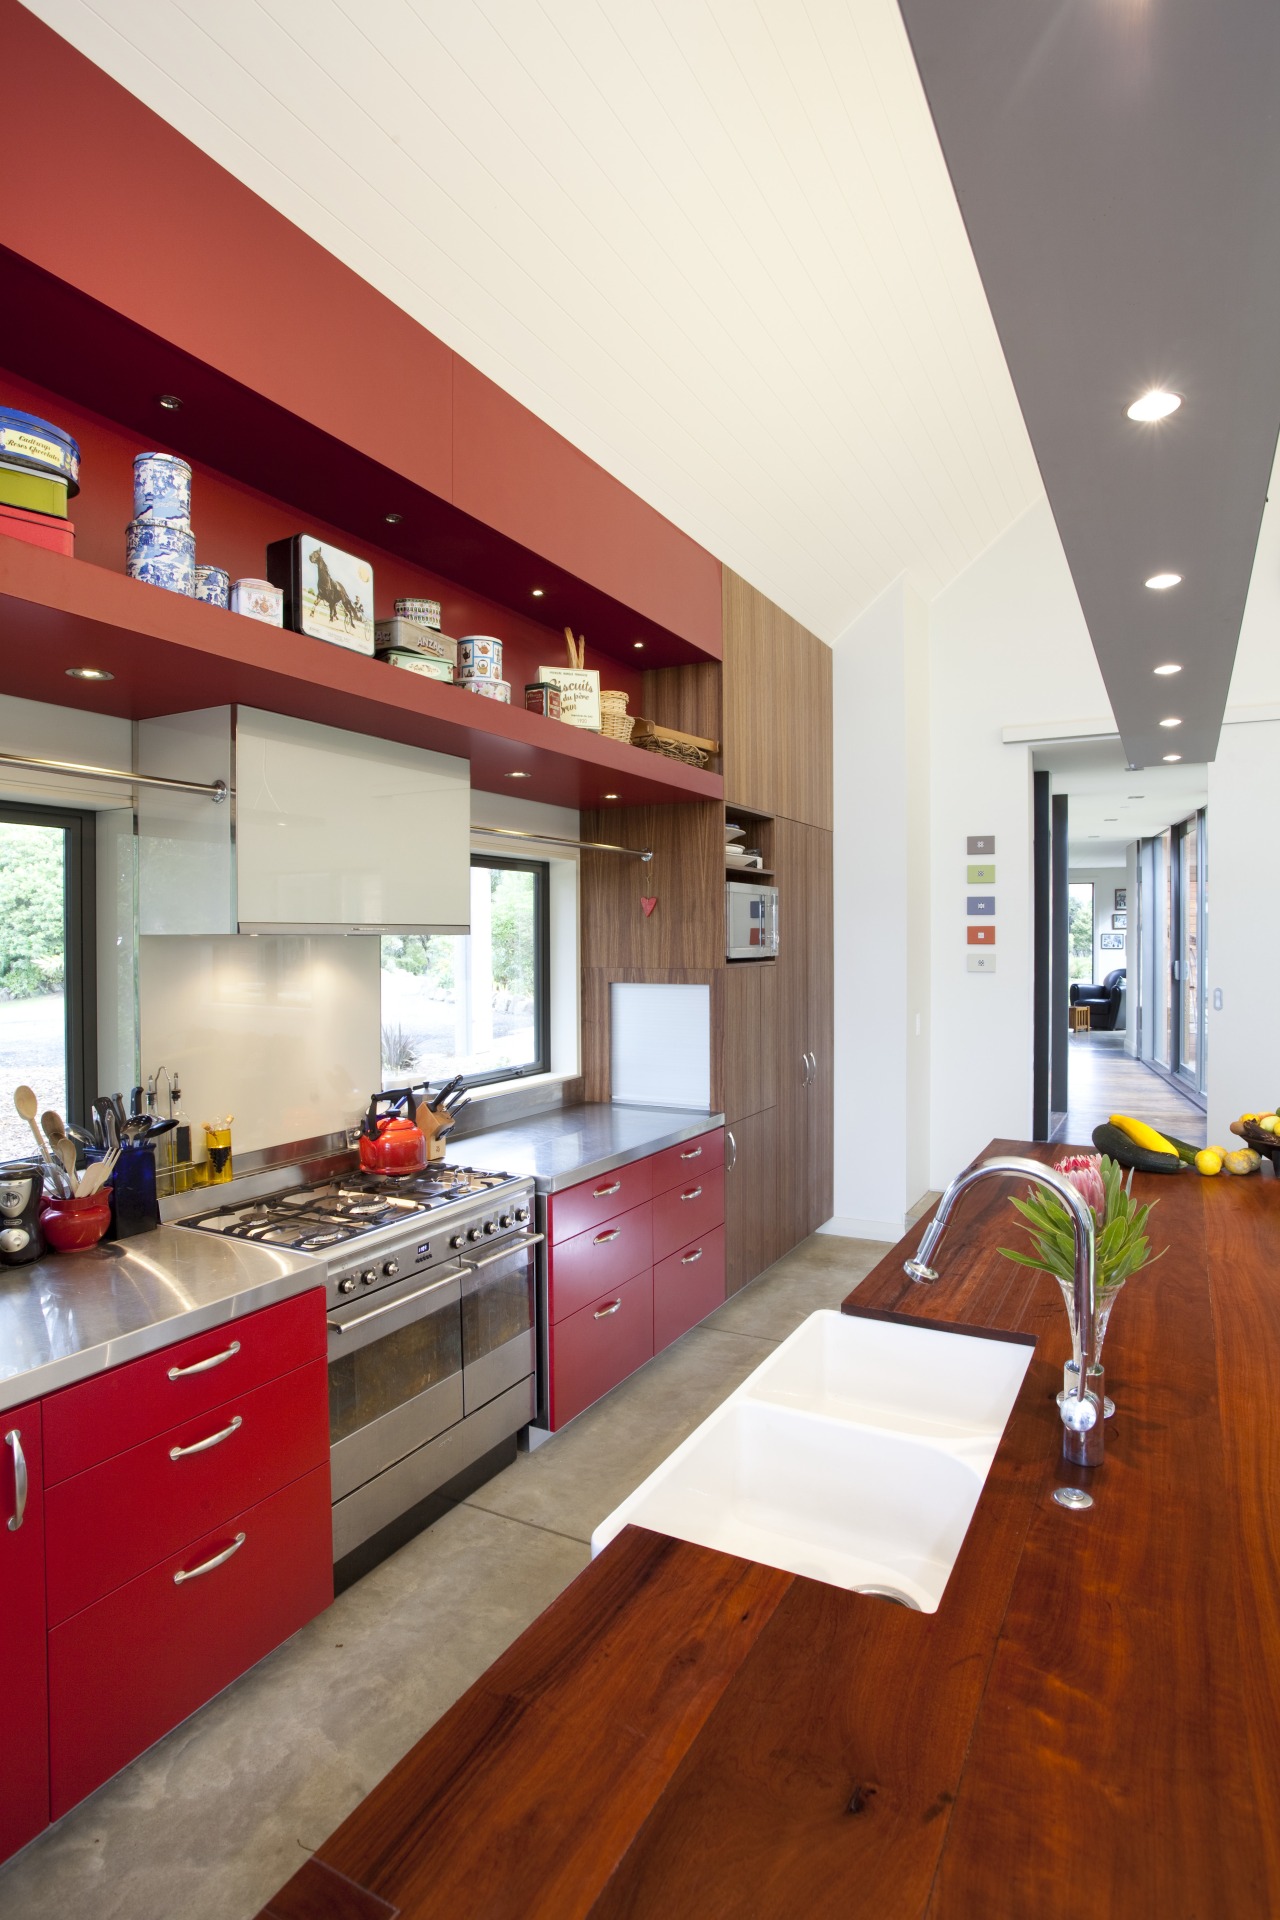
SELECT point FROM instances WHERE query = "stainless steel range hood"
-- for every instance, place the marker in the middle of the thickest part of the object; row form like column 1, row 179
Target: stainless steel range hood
column 327, row 832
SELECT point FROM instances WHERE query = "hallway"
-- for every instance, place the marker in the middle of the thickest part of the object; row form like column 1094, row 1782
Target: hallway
column 1102, row 1080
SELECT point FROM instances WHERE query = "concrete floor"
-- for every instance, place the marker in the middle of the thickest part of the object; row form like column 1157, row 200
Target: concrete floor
column 211, row 1821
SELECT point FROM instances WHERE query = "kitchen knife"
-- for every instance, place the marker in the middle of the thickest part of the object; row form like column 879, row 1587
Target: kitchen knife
column 448, row 1088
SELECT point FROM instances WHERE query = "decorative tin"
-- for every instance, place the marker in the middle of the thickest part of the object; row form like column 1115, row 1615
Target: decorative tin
column 38, row 529
column 259, row 600
column 27, row 441
column 407, row 636
column 479, row 657
column 579, row 695
column 491, row 689
column 327, row 593
column 162, row 489
column 423, row 613
column 162, row 555
column 418, row 663
column 33, row 492
column 213, row 586
column 543, row 698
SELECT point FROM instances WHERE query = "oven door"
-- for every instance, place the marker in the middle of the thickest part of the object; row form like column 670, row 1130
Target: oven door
column 395, row 1374
column 498, row 1345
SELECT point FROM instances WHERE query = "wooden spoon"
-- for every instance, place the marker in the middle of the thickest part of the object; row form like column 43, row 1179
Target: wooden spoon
column 66, row 1152
column 52, row 1127
column 27, row 1106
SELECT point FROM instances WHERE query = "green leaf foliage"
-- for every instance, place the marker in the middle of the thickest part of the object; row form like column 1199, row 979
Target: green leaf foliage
column 1121, row 1245
column 32, row 911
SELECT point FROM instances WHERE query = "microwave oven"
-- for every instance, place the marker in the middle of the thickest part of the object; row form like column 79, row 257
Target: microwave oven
column 750, row 921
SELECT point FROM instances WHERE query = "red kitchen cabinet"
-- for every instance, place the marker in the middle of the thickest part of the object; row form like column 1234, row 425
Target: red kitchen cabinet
column 680, row 1166
column 597, row 1347
column 117, row 1519
column 592, row 1202
column 127, row 1669
column 687, row 1286
column 24, row 1704
column 690, row 1209
column 581, row 1269
column 131, row 1403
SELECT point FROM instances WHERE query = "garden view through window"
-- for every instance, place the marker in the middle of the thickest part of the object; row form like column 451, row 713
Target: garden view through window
column 471, row 1003
column 1080, row 931
column 33, row 966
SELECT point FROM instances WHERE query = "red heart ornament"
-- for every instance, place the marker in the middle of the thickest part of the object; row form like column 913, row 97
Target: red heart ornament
column 648, row 902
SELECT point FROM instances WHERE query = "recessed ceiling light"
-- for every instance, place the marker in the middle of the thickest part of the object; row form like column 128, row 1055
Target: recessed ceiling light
column 1173, row 756
column 611, row 796
column 1171, row 722
column 170, row 402
column 1109, row 819
column 1137, row 796
column 1156, row 404
column 393, row 519
column 1159, row 581
column 89, row 673
column 515, row 776
column 538, row 592
column 638, row 645
column 1170, row 666
column 1095, row 836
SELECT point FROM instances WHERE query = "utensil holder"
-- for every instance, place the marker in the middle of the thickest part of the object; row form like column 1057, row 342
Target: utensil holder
column 135, row 1207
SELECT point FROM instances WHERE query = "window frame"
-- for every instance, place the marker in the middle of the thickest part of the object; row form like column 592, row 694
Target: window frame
column 80, row 993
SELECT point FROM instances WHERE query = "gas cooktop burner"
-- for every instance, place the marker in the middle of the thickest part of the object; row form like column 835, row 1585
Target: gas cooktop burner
column 314, row 1218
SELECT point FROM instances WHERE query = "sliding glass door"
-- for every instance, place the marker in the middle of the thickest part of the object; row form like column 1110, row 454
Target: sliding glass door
column 1173, row 923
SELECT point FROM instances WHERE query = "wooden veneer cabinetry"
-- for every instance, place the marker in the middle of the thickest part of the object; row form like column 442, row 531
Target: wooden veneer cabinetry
column 776, row 704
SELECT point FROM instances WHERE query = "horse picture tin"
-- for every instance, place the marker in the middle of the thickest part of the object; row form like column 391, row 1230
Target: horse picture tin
column 327, row 593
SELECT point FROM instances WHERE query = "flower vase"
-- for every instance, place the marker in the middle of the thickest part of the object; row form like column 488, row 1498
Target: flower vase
column 1104, row 1302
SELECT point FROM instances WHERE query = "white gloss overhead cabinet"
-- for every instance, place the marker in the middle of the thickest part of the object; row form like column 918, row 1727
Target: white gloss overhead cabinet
column 324, row 832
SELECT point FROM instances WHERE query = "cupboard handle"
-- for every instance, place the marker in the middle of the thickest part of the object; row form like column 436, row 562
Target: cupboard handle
column 602, row 1313
column 610, row 1233
column 505, row 1253
column 692, row 1193
column 687, row 1259
column 202, row 1446
column 208, row 1566
column 733, row 1150
column 203, row 1366
column 601, row 1193
column 376, row 1313
column 695, row 1155
column 13, row 1439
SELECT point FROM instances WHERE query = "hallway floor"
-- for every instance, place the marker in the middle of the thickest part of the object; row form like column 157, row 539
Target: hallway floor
column 212, row 1821
column 1102, row 1080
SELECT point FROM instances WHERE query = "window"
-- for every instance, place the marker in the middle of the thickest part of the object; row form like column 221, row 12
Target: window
column 1080, row 930
column 46, row 965
column 472, row 1003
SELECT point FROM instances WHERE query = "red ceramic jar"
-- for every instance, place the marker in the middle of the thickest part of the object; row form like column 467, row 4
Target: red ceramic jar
column 72, row 1225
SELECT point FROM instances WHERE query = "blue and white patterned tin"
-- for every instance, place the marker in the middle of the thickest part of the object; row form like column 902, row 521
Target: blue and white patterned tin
column 37, row 445
column 479, row 657
column 163, row 556
column 162, row 489
column 213, row 586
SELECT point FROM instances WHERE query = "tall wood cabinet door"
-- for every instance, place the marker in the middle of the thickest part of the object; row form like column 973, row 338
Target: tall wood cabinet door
column 751, row 1225
column 752, row 748
column 24, row 1699
column 792, row 862
column 750, row 1037
column 820, row 1028
column 804, row 719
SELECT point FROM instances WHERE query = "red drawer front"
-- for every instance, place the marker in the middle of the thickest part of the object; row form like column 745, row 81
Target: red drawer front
column 580, row 1270
column 687, row 1286
column 596, row 1201
column 600, row 1345
column 125, row 1671
column 114, row 1521
column 686, row 1211
column 681, row 1166
column 24, row 1705
column 129, row 1404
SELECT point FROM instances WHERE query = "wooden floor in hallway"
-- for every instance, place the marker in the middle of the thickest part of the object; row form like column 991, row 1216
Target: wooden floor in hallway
column 1102, row 1080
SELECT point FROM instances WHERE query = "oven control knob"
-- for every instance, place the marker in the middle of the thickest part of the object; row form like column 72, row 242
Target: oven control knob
column 491, row 1226
column 522, row 1214
column 505, row 1221
column 347, row 1284
column 368, row 1277
column 391, row 1268
column 473, row 1234
column 458, row 1240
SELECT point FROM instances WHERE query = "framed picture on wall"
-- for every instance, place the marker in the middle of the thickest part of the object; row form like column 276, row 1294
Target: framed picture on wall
column 1120, row 920
column 1122, row 899
column 1111, row 942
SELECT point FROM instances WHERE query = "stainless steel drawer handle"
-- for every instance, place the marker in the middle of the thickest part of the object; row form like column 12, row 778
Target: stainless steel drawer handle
column 193, row 1573
column 692, row 1193
column 602, row 1193
column 505, row 1253
column 695, row 1155
column 203, row 1366
column 610, row 1233
column 13, row 1439
column 602, row 1313
column 732, row 1145
column 687, row 1259
column 202, row 1446
column 376, row 1313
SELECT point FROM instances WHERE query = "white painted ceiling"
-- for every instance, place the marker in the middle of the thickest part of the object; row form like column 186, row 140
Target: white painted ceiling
column 1108, row 806
column 713, row 242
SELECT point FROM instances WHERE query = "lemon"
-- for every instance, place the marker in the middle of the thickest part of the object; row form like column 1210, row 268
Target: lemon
column 1208, row 1161
column 1268, row 1122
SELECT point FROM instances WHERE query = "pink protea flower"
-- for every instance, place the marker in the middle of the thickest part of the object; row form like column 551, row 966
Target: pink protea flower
column 1084, row 1171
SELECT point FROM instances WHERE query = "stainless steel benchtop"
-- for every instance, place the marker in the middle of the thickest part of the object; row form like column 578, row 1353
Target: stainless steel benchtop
column 568, row 1144
column 71, row 1315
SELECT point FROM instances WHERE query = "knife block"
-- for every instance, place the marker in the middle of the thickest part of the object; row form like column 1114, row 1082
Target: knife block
column 433, row 1128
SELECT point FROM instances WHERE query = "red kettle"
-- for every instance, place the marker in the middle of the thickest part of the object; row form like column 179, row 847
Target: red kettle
column 389, row 1141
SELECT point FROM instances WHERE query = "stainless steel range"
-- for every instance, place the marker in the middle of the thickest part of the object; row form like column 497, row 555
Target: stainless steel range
column 430, row 1283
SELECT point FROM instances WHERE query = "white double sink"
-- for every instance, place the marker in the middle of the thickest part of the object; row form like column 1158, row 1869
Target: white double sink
column 855, row 1454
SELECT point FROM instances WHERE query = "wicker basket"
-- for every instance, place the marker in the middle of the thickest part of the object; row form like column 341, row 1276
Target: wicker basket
column 674, row 750
column 615, row 722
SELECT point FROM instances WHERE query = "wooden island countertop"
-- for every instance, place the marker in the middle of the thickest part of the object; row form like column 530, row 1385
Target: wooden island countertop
column 1089, row 1723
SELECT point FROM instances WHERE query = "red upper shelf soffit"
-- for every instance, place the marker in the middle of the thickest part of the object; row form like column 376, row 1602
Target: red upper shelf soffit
column 282, row 328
